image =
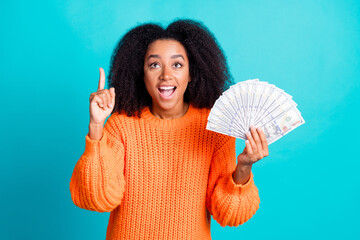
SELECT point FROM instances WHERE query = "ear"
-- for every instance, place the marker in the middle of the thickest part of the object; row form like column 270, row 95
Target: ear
column 189, row 78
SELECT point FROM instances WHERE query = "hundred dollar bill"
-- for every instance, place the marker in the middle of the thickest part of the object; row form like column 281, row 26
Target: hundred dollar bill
column 281, row 125
column 255, row 103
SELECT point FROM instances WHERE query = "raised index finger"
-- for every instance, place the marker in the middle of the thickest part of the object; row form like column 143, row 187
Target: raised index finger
column 102, row 79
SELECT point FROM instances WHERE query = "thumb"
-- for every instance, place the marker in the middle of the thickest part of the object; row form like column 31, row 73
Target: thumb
column 112, row 94
column 247, row 148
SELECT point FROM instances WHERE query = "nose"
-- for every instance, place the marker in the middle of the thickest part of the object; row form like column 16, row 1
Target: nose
column 166, row 74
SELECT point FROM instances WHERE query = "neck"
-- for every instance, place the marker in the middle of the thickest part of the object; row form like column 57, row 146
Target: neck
column 169, row 114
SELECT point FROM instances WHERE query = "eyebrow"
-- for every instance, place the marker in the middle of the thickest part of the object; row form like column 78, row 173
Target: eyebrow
column 172, row 57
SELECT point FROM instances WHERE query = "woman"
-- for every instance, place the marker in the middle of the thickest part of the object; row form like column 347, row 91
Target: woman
column 154, row 166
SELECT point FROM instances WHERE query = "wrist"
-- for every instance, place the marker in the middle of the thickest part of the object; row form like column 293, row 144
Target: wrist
column 241, row 175
column 96, row 125
column 96, row 131
column 245, row 168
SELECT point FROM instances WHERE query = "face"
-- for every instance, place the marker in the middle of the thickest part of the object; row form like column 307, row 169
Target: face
column 166, row 75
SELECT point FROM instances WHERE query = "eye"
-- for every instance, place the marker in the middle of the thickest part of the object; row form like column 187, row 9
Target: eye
column 177, row 65
column 154, row 65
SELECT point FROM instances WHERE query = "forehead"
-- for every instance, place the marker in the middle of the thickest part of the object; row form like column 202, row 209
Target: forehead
column 166, row 47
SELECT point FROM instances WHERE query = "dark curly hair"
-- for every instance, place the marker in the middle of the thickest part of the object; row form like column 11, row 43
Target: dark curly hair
column 208, row 68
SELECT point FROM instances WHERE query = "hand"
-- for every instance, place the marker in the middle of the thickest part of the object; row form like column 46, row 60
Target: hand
column 256, row 147
column 101, row 102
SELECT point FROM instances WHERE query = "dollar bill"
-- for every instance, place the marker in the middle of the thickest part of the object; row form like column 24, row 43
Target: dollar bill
column 255, row 103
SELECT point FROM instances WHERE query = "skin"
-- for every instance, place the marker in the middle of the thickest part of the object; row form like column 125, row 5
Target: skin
column 256, row 148
column 102, row 103
column 166, row 64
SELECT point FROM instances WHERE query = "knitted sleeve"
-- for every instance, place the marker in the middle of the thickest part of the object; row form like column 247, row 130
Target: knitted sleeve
column 230, row 204
column 97, row 182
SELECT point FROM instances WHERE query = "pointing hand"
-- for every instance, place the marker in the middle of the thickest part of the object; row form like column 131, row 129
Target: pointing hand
column 101, row 102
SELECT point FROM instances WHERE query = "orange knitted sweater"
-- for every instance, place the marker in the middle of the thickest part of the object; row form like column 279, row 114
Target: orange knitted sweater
column 161, row 179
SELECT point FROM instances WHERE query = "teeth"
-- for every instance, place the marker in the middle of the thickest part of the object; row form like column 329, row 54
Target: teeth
column 166, row 88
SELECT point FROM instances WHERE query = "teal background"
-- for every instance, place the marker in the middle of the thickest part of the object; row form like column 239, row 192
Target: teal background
column 50, row 52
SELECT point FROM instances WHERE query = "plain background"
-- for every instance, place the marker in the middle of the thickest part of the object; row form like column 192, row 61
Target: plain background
column 50, row 53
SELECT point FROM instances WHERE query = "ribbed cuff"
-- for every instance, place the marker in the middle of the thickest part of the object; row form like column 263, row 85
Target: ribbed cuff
column 92, row 146
column 232, row 185
column 233, row 204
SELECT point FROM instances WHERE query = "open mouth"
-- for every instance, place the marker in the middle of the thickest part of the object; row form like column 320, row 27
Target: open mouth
column 167, row 91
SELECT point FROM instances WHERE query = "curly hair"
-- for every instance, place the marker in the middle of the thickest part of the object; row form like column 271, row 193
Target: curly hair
column 208, row 68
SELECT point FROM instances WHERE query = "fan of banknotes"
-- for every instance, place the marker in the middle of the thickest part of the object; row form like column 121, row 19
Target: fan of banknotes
column 254, row 103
